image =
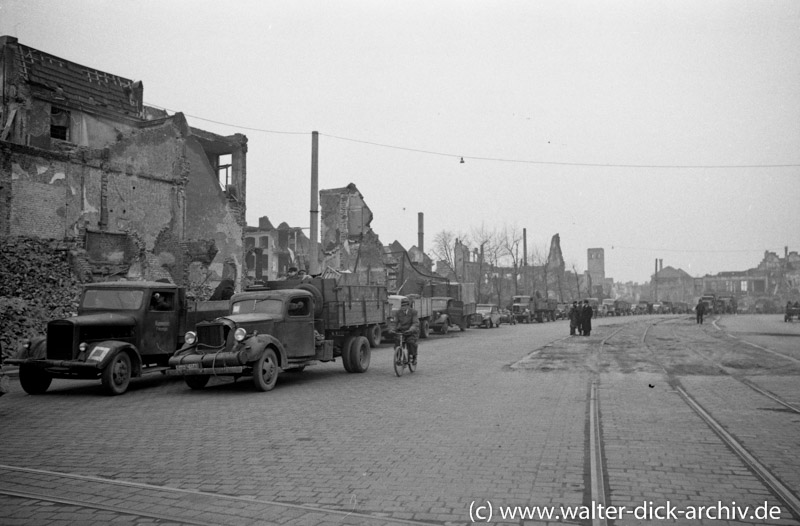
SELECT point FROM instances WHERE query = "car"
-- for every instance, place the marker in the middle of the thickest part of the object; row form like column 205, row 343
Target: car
column 487, row 315
column 506, row 316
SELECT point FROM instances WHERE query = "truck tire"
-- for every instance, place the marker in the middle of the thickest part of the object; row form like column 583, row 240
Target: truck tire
column 424, row 329
column 265, row 370
column 34, row 380
column 196, row 381
column 348, row 342
column 360, row 354
column 374, row 333
column 317, row 297
column 117, row 374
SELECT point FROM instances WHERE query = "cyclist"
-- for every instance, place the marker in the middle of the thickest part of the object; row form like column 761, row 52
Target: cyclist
column 406, row 322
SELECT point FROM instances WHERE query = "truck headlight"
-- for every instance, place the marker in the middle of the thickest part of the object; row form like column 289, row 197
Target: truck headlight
column 190, row 338
column 240, row 334
column 83, row 346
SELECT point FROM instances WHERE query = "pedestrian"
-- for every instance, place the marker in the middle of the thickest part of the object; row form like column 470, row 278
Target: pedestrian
column 586, row 317
column 700, row 309
column 574, row 318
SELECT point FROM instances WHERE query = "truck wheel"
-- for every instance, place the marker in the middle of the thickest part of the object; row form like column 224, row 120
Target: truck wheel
column 360, row 354
column 117, row 374
column 348, row 342
column 33, row 380
column 423, row 329
column 265, row 370
column 374, row 335
column 196, row 381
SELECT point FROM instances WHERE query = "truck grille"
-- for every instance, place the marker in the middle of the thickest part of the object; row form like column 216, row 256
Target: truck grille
column 212, row 335
column 60, row 341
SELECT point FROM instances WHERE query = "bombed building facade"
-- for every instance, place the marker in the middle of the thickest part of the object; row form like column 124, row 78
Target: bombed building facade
column 134, row 192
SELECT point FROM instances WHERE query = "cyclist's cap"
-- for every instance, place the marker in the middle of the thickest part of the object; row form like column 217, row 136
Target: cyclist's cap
column 405, row 301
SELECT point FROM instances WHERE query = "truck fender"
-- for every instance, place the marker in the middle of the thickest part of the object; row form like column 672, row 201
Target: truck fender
column 255, row 346
column 103, row 352
column 33, row 349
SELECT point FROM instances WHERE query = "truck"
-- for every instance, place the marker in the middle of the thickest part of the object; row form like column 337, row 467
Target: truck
column 123, row 330
column 449, row 313
column 608, row 308
column 452, row 305
column 285, row 326
column 622, row 308
column 529, row 308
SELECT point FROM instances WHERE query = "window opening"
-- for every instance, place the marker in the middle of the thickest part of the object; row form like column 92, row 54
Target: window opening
column 224, row 165
column 59, row 123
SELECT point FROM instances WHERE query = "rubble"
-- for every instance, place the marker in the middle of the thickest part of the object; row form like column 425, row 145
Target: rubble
column 37, row 284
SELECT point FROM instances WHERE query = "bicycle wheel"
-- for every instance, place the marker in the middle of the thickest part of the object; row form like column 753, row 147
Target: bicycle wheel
column 398, row 361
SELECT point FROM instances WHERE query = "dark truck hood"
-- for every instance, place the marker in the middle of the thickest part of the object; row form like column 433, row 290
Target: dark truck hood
column 99, row 320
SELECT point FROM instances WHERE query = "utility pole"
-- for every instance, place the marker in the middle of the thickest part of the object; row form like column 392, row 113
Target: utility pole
column 313, row 254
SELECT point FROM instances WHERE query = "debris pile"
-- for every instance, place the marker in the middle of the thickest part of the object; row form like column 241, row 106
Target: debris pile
column 37, row 285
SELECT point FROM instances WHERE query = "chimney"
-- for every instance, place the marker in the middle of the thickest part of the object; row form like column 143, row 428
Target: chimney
column 524, row 247
column 420, row 233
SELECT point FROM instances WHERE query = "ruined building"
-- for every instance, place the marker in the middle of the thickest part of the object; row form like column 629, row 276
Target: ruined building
column 134, row 192
column 348, row 242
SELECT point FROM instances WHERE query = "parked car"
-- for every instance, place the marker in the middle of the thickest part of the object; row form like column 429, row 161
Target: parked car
column 487, row 315
column 506, row 316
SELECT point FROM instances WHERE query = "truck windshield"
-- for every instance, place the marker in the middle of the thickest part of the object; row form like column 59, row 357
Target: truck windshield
column 268, row 306
column 110, row 299
column 483, row 308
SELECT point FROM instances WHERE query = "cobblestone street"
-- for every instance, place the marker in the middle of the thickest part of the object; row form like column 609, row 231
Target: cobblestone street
column 493, row 418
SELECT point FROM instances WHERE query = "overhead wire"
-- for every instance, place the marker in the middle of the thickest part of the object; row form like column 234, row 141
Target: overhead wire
column 494, row 159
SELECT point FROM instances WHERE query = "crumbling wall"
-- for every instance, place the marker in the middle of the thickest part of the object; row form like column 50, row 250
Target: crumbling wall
column 348, row 242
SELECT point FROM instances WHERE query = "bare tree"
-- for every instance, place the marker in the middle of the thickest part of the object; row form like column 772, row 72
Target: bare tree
column 444, row 250
column 511, row 244
column 489, row 253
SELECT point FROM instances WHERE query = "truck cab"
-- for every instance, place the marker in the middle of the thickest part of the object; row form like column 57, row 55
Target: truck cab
column 123, row 329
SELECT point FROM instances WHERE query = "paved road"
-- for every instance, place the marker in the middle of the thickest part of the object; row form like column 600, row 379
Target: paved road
column 492, row 418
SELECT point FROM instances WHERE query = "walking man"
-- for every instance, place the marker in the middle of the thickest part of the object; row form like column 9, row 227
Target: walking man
column 700, row 309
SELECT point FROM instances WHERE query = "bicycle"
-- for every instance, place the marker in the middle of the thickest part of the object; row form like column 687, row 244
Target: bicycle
column 401, row 360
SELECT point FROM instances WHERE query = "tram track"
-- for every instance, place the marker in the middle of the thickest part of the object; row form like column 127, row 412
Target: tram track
column 778, row 488
column 744, row 381
column 170, row 504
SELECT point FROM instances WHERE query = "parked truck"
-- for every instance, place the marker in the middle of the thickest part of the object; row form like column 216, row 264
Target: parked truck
column 285, row 326
column 452, row 305
column 529, row 308
column 123, row 330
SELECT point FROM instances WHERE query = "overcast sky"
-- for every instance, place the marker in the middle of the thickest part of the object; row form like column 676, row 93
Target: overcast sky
column 657, row 129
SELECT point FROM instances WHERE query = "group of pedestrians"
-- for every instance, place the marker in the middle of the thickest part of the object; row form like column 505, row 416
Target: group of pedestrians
column 580, row 318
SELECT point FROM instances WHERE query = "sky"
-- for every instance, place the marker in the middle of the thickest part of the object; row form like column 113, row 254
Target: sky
column 654, row 130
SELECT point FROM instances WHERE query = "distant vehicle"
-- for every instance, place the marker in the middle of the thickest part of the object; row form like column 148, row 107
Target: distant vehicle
column 711, row 302
column 622, row 308
column 487, row 315
column 792, row 313
column 609, row 307
column 506, row 316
